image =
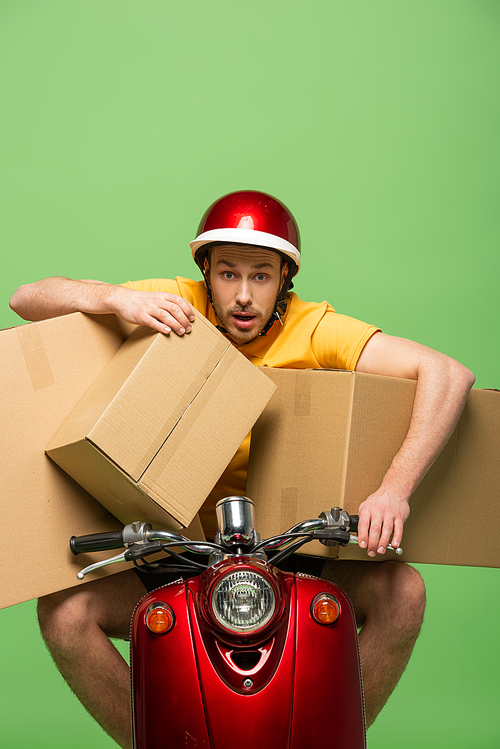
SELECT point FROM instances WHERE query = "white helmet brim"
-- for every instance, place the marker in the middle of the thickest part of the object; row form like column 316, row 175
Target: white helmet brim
column 246, row 236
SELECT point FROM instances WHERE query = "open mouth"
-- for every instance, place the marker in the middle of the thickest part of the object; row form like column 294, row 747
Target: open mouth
column 243, row 320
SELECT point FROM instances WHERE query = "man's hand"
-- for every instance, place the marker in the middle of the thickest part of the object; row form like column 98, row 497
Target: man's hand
column 159, row 310
column 381, row 516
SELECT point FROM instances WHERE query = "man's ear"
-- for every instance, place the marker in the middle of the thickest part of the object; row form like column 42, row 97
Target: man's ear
column 206, row 270
column 284, row 271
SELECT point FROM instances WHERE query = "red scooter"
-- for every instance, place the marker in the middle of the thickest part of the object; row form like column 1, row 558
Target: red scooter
column 241, row 654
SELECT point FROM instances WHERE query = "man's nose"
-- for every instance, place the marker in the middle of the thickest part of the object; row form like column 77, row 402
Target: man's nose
column 243, row 293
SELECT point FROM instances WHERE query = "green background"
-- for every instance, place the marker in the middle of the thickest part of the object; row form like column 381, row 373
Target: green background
column 377, row 123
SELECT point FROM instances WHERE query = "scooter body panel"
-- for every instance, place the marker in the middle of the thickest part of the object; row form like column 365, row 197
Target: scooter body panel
column 306, row 686
column 256, row 716
column 167, row 706
column 328, row 693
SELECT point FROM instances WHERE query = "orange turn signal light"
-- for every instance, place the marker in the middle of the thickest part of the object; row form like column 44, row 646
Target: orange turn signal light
column 325, row 608
column 159, row 618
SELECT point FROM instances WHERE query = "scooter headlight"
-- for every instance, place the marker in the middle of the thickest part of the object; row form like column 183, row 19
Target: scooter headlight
column 243, row 601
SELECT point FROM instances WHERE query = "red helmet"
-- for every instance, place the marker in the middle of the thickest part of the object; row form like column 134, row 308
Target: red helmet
column 249, row 217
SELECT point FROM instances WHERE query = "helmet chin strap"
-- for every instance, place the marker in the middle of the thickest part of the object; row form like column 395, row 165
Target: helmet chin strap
column 209, row 295
column 280, row 304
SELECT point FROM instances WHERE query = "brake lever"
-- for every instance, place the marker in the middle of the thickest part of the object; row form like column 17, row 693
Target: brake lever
column 112, row 560
column 136, row 551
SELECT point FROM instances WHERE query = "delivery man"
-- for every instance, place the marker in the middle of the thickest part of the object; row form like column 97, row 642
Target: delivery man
column 248, row 251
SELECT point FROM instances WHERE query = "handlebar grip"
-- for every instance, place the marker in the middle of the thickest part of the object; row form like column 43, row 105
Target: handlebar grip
column 354, row 523
column 96, row 542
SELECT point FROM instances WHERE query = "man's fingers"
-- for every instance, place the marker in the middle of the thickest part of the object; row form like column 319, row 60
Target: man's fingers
column 379, row 519
column 166, row 315
column 185, row 307
column 379, row 535
column 179, row 307
column 153, row 322
column 369, row 528
column 177, row 315
column 385, row 536
column 374, row 535
column 161, row 311
column 363, row 528
column 398, row 533
column 173, row 320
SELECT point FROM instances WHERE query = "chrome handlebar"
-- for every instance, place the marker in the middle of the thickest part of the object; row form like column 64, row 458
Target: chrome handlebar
column 236, row 535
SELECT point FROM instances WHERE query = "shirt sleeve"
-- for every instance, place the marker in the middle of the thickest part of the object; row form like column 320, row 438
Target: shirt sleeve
column 338, row 340
column 154, row 284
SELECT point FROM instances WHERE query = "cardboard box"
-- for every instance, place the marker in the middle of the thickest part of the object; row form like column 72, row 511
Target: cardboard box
column 327, row 438
column 45, row 369
column 157, row 428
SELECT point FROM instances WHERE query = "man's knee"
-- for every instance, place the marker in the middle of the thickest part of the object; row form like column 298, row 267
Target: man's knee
column 104, row 605
column 399, row 593
column 63, row 616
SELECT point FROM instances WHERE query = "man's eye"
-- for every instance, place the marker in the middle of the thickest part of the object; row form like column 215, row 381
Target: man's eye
column 227, row 274
column 261, row 276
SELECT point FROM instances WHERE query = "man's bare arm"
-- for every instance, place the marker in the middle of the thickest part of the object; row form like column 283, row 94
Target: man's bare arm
column 442, row 389
column 52, row 297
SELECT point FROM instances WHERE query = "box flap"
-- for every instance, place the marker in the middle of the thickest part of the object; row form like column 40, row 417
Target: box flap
column 196, row 453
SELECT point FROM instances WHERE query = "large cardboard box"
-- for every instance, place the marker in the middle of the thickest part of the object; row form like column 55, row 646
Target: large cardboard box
column 327, row 438
column 154, row 432
column 45, row 368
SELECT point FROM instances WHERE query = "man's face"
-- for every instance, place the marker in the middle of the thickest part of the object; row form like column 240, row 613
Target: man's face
column 245, row 282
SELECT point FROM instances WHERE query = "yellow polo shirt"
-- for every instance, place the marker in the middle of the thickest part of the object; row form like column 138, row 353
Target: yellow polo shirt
column 312, row 336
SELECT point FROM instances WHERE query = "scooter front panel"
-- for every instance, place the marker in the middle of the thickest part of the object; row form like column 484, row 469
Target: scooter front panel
column 311, row 697
column 328, row 703
column 168, row 709
column 258, row 719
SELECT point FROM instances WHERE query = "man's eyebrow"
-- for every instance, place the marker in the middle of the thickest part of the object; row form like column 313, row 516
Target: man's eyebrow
column 221, row 261
column 256, row 266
